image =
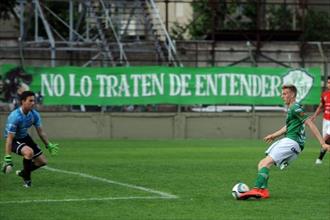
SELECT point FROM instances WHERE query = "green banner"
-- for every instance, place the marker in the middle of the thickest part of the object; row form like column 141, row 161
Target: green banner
column 168, row 85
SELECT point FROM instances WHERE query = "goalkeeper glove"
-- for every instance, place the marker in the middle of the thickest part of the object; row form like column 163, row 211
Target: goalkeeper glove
column 7, row 165
column 52, row 148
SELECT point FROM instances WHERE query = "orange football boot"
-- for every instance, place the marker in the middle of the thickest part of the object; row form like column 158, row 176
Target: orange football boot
column 264, row 193
column 253, row 193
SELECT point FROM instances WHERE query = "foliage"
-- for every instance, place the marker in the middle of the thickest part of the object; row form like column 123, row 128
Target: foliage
column 211, row 16
column 223, row 16
column 277, row 16
column 177, row 31
column 202, row 22
column 250, row 11
column 317, row 26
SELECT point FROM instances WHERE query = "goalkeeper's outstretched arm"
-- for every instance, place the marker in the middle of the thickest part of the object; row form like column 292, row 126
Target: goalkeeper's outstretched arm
column 42, row 135
column 53, row 148
column 9, row 141
column 7, row 163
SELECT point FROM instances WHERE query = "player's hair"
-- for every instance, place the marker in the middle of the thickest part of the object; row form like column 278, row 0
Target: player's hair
column 292, row 88
column 328, row 78
column 25, row 94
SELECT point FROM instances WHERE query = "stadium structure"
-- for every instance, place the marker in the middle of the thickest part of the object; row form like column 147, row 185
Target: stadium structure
column 102, row 33
column 150, row 32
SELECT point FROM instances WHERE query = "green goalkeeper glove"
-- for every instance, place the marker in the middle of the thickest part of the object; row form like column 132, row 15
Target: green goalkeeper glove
column 52, row 148
column 7, row 165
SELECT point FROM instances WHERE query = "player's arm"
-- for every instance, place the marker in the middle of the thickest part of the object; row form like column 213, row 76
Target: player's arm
column 271, row 137
column 317, row 111
column 7, row 160
column 317, row 134
column 9, row 141
column 42, row 135
column 53, row 148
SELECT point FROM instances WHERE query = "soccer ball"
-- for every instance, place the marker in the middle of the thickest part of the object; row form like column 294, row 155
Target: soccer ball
column 238, row 189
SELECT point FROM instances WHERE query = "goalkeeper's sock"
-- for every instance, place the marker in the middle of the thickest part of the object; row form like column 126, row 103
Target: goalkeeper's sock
column 262, row 178
column 27, row 165
column 322, row 153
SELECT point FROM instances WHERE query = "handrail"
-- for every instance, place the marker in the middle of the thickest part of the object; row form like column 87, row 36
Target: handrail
column 101, row 33
column 167, row 36
column 108, row 19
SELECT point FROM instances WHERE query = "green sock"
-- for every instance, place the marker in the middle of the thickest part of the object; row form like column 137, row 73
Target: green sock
column 262, row 178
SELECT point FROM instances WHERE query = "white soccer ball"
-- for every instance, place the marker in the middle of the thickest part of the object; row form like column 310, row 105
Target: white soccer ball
column 238, row 189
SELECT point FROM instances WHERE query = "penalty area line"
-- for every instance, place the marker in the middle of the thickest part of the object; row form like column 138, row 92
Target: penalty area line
column 84, row 199
column 141, row 188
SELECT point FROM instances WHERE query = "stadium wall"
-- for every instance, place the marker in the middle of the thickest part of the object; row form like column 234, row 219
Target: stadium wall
column 227, row 125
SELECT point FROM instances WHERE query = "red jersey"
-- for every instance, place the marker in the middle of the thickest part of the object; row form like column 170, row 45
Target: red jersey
column 325, row 99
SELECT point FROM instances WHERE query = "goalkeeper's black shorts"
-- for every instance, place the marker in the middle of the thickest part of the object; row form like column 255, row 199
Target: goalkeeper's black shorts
column 18, row 144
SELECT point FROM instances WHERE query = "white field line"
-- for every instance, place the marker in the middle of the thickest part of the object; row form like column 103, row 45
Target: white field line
column 162, row 194
column 83, row 199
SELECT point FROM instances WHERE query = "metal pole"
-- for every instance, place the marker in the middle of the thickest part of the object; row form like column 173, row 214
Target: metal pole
column 71, row 20
column 49, row 33
column 21, row 19
column 252, row 59
column 166, row 14
column 53, row 56
column 21, row 30
column 36, row 23
column 168, row 38
column 87, row 20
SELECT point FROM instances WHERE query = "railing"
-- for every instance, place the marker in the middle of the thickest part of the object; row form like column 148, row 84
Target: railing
column 123, row 56
column 172, row 55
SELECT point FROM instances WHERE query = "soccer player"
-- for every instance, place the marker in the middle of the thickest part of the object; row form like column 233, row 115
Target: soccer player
column 19, row 141
column 282, row 152
column 325, row 106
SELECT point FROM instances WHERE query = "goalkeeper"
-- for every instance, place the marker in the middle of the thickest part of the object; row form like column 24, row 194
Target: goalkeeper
column 19, row 141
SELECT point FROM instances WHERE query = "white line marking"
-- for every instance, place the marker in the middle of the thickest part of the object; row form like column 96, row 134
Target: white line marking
column 162, row 194
column 83, row 199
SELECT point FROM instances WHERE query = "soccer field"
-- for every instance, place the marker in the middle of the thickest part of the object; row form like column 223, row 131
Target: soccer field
column 185, row 179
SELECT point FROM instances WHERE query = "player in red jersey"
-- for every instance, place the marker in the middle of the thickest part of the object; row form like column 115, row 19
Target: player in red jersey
column 325, row 107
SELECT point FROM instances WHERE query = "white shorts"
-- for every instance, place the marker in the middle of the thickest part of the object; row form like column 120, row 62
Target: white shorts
column 326, row 127
column 283, row 152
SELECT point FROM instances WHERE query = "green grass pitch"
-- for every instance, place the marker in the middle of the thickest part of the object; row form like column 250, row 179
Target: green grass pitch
column 182, row 179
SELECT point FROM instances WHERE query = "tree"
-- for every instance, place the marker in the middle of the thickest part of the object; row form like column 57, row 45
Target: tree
column 218, row 15
column 317, row 24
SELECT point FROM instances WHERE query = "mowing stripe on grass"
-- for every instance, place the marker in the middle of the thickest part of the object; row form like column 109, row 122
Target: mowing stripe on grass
column 84, row 199
column 162, row 194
